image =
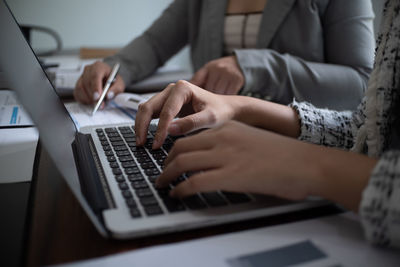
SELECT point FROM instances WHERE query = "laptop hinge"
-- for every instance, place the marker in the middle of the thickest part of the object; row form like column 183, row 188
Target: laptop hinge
column 91, row 175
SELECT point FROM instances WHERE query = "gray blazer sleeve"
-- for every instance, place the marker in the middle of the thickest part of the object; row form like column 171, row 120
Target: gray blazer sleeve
column 348, row 45
column 142, row 56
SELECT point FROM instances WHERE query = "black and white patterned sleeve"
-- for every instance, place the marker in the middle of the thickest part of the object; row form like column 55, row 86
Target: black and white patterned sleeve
column 325, row 127
column 379, row 208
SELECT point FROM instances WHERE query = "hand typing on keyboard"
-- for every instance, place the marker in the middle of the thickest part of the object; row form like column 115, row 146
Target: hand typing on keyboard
column 197, row 108
column 237, row 158
column 136, row 169
column 231, row 156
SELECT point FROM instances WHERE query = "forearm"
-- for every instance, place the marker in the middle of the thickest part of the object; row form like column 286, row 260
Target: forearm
column 282, row 77
column 300, row 120
column 338, row 175
column 267, row 115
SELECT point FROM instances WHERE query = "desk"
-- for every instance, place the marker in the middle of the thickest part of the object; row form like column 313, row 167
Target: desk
column 59, row 231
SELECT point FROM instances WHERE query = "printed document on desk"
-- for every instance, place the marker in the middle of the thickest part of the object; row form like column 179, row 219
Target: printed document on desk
column 12, row 114
column 120, row 110
column 329, row 241
column 111, row 114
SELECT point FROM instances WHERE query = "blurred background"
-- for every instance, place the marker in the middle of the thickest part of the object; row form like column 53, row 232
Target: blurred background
column 100, row 23
column 91, row 23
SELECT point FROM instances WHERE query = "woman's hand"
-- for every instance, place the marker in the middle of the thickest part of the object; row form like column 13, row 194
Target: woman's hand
column 221, row 76
column 89, row 86
column 240, row 158
column 197, row 108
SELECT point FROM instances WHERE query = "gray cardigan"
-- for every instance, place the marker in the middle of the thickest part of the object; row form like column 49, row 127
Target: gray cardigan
column 320, row 51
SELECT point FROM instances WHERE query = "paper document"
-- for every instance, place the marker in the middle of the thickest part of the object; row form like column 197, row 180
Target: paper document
column 12, row 113
column 330, row 241
column 119, row 110
column 111, row 114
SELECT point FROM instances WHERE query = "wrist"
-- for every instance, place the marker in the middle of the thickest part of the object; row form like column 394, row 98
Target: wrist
column 340, row 176
column 267, row 115
column 238, row 106
column 311, row 169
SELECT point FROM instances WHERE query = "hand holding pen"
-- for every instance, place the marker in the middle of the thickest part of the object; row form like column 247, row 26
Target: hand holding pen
column 89, row 86
column 106, row 87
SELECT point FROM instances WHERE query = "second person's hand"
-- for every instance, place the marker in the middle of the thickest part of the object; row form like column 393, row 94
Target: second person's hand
column 90, row 85
column 220, row 76
column 197, row 108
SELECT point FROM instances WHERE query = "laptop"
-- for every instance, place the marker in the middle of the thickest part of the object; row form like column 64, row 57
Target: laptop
column 110, row 176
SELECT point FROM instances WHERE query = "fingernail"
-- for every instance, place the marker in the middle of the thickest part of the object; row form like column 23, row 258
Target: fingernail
column 96, row 96
column 174, row 129
column 157, row 140
column 110, row 95
column 155, row 144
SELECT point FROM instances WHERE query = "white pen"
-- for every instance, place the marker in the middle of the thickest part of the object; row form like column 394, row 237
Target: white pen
column 109, row 81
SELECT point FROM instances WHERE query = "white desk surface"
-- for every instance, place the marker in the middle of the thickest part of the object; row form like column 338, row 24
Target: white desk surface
column 340, row 237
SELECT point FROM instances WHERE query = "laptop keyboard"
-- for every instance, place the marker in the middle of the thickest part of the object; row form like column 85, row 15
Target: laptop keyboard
column 136, row 169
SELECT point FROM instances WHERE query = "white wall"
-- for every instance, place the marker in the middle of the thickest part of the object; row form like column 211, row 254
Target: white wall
column 99, row 23
column 105, row 23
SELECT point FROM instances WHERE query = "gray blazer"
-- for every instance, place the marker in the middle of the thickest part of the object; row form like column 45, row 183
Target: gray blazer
column 319, row 51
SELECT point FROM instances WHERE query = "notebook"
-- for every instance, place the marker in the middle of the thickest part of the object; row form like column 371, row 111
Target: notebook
column 110, row 176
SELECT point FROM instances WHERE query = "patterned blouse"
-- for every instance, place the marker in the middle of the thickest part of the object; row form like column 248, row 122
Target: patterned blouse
column 373, row 129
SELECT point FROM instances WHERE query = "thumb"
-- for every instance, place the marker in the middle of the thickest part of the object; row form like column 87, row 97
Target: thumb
column 200, row 77
column 190, row 123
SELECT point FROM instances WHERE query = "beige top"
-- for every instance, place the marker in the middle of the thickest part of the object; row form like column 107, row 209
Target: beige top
column 245, row 6
column 241, row 31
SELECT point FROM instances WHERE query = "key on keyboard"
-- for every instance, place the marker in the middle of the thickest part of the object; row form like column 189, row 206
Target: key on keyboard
column 137, row 168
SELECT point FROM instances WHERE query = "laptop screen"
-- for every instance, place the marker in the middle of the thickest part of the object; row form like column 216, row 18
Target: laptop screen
column 3, row 83
column 26, row 77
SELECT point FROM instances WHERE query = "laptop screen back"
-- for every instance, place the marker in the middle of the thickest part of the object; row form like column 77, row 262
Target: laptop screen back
column 26, row 77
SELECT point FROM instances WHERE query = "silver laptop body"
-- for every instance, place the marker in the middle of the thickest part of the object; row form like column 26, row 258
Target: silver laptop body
column 113, row 179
